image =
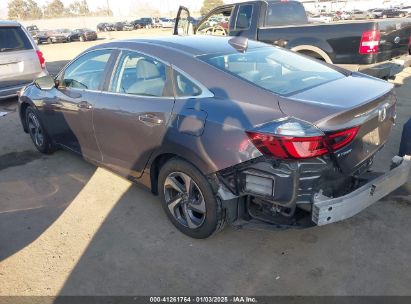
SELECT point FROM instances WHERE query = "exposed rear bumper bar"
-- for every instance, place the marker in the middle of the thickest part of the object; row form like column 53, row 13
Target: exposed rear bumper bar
column 329, row 210
column 383, row 69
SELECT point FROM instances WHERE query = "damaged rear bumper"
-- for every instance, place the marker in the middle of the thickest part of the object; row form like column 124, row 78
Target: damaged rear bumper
column 329, row 210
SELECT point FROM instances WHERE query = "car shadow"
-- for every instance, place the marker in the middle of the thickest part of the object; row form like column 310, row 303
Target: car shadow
column 35, row 191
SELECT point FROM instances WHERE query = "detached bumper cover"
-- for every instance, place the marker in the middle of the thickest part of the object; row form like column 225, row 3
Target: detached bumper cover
column 382, row 69
column 329, row 210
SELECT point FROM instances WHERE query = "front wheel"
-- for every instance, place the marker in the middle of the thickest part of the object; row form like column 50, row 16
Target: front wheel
column 38, row 134
column 189, row 201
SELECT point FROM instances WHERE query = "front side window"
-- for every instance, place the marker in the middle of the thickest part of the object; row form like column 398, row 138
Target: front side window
column 274, row 69
column 87, row 71
column 216, row 24
column 245, row 13
column 137, row 74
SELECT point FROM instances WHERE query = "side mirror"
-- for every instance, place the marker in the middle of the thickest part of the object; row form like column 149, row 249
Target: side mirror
column 45, row 83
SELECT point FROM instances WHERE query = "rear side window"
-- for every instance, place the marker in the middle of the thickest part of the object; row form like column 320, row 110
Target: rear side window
column 285, row 13
column 137, row 74
column 185, row 87
column 13, row 39
column 245, row 13
column 87, row 71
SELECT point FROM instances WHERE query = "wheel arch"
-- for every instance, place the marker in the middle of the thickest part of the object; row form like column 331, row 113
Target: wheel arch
column 22, row 112
column 159, row 159
column 312, row 51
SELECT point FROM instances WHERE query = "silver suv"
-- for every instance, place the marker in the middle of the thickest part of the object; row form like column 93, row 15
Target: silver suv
column 20, row 59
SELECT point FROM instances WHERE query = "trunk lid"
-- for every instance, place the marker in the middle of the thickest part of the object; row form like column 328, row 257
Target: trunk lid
column 346, row 103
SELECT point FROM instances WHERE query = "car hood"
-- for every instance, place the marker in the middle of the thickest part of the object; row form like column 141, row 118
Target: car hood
column 335, row 104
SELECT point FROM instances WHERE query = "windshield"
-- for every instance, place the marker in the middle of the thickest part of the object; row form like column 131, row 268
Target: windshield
column 274, row 69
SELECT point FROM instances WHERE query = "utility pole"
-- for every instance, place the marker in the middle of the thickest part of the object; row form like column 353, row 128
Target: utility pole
column 108, row 8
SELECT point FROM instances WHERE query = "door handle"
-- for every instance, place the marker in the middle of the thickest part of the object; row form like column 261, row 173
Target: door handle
column 150, row 119
column 85, row 105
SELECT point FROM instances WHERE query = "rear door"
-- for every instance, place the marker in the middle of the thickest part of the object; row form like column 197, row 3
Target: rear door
column 19, row 63
column 131, row 117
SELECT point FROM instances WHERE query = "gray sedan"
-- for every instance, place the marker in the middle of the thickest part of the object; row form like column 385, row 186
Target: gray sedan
column 224, row 130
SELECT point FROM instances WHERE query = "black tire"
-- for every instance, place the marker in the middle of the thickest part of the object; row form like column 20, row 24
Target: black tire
column 214, row 217
column 45, row 146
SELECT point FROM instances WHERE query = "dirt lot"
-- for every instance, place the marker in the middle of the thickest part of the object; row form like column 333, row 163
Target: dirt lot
column 69, row 228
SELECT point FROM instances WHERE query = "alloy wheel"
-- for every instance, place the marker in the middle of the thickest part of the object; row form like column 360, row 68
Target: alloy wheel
column 185, row 200
column 35, row 130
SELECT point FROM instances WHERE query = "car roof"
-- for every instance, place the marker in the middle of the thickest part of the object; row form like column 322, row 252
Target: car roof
column 9, row 23
column 192, row 45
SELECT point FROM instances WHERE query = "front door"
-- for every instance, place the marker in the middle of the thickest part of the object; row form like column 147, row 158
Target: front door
column 131, row 118
column 72, row 109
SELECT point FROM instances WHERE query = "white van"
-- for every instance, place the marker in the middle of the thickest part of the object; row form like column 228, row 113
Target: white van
column 20, row 59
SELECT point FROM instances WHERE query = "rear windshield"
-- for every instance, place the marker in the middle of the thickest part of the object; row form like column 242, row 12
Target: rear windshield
column 279, row 71
column 13, row 38
column 285, row 13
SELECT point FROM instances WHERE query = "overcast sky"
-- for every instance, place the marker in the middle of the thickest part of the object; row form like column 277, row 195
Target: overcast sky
column 126, row 7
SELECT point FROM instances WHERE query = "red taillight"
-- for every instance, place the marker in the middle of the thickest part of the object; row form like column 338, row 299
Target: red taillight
column 370, row 41
column 41, row 59
column 287, row 147
column 340, row 139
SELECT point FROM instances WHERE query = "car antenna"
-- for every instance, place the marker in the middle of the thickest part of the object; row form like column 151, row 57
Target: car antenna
column 239, row 43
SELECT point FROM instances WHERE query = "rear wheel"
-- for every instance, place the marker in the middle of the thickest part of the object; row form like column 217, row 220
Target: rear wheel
column 82, row 39
column 38, row 134
column 189, row 201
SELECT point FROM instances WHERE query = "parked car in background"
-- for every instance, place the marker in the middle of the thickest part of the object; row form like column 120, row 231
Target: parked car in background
column 223, row 129
column 41, row 37
column 21, row 61
column 56, row 37
column 376, row 13
column 376, row 47
column 123, row 26
column 322, row 18
column 33, row 29
column 406, row 10
column 66, row 33
column 345, row 15
column 166, row 22
column 143, row 23
column 105, row 27
column 392, row 13
column 358, row 15
column 84, row 34
column 127, row 26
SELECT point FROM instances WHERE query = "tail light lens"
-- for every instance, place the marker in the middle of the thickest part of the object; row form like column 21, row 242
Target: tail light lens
column 370, row 41
column 41, row 59
column 275, row 140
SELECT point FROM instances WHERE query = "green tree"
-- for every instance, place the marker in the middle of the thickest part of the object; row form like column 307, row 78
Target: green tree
column 18, row 9
column 103, row 11
column 208, row 5
column 34, row 10
column 54, row 9
column 79, row 8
